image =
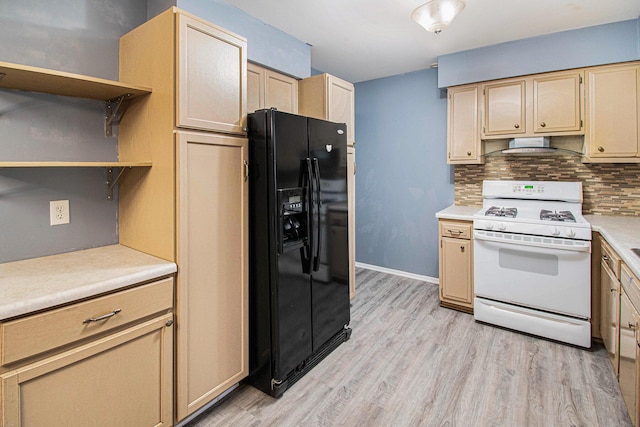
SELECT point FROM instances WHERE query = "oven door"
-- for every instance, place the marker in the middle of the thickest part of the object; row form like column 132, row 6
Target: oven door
column 538, row 272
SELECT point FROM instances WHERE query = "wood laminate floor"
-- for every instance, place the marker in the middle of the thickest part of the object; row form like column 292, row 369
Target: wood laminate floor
column 410, row 362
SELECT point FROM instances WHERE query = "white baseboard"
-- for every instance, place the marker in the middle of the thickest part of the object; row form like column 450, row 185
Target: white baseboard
column 429, row 279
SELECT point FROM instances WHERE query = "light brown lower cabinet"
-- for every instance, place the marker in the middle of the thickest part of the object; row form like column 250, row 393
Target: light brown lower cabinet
column 212, row 286
column 124, row 378
column 610, row 302
column 456, row 265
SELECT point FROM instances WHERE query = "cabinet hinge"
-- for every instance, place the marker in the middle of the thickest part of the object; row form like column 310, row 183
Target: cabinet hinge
column 483, row 131
column 581, row 124
column 580, row 79
column 484, row 91
column 441, row 244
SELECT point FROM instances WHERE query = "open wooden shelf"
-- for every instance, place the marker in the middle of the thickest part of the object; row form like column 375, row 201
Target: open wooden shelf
column 73, row 164
column 24, row 77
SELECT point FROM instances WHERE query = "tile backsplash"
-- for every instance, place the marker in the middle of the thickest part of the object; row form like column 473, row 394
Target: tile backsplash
column 608, row 188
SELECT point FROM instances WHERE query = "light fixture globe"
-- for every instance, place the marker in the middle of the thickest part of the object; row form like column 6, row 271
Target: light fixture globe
column 435, row 15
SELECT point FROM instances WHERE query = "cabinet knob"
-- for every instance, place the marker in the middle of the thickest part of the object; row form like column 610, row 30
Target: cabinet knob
column 517, row 126
column 601, row 149
column 543, row 124
column 468, row 153
column 169, row 323
column 461, row 248
column 632, row 326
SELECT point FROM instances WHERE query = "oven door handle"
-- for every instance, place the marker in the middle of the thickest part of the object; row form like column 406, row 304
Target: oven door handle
column 575, row 246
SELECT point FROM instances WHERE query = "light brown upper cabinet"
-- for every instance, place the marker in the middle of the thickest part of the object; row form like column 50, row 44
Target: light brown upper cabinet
column 327, row 97
column 211, row 77
column 504, row 108
column 267, row 88
column 463, row 134
column 543, row 104
column 556, row 102
column 613, row 113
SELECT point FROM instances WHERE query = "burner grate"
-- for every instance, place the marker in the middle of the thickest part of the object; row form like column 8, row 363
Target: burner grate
column 562, row 216
column 502, row 212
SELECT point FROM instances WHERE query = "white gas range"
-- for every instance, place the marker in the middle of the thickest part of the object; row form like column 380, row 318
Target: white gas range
column 532, row 259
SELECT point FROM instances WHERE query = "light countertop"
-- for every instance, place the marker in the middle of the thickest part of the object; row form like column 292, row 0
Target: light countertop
column 622, row 233
column 41, row 283
column 463, row 213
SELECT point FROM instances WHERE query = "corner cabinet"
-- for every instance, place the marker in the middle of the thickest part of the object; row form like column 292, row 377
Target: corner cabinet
column 329, row 98
column 613, row 113
column 192, row 208
column 456, row 264
column 463, row 133
column 267, row 88
column 81, row 365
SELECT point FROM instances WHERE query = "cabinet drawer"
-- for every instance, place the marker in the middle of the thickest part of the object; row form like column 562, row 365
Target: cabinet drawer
column 631, row 285
column 455, row 229
column 611, row 258
column 28, row 336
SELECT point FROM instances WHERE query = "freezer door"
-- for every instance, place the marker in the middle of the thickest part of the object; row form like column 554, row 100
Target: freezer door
column 288, row 147
column 330, row 278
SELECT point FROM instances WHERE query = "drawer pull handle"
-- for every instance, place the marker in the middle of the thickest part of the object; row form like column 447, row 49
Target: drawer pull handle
column 455, row 231
column 103, row 317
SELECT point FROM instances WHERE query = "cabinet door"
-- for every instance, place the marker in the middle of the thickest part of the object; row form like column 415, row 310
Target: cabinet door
column 455, row 273
column 124, row 379
column 556, row 103
column 627, row 377
column 211, row 78
column 255, row 87
column 340, row 105
column 504, row 108
column 281, row 92
column 609, row 312
column 463, row 133
column 212, row 290
column 612, row 111
column 351, row 203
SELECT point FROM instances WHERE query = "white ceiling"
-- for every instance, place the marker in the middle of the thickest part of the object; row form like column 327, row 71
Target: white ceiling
column 360, row 40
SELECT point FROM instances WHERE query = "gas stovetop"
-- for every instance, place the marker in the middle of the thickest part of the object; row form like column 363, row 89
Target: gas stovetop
column 542, row 208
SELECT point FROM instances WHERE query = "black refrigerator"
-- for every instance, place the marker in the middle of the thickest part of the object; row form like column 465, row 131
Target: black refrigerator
column 298, row 246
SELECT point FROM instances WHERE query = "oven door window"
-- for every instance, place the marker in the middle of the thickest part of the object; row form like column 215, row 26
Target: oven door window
column 529, row 262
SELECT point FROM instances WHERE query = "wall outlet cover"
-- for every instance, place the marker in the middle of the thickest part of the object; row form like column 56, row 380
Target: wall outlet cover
column 59, row 212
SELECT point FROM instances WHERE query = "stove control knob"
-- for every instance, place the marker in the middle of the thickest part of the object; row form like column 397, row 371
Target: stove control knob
column 489, row 226
column 502, row 227
column 570, row 233
column 555, row 231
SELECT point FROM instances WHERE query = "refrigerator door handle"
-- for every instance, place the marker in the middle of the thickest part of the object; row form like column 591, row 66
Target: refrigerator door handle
column 316, row 177
column 306, row 252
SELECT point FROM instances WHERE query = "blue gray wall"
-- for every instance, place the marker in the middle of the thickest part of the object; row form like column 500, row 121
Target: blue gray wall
column 602, row 44
column 267, row 45
column 79, row 36
column 402, row 177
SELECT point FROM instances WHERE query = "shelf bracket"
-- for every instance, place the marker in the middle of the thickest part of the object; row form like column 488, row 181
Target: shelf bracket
column 112, row 109
column 110, row 183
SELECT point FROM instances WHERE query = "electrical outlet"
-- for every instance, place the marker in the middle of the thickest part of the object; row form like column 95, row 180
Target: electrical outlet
column 59, row 212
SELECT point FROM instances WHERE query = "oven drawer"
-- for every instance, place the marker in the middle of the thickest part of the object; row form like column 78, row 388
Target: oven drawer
column 28, row 336
column 611, row 258
column 460, row 230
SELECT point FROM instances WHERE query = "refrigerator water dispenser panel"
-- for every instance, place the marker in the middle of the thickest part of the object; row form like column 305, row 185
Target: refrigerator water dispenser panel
column 292, row 219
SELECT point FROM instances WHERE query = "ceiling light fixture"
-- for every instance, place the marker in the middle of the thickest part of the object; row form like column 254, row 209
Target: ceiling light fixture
column 435, row 15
